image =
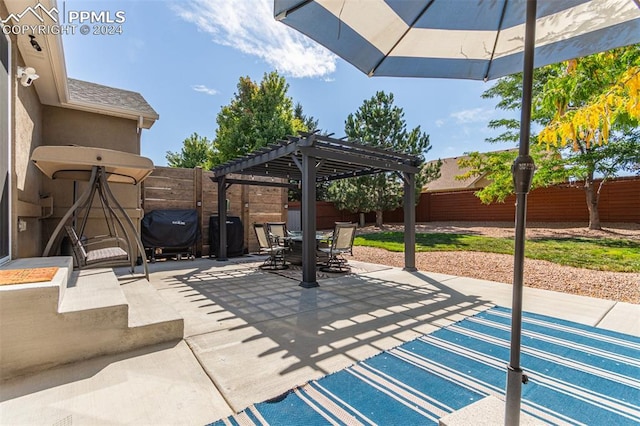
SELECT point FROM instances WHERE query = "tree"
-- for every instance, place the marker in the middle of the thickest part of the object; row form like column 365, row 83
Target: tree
column 380, row 124
column 588, row 109
column 310, row 123
column 196, row 152
column 258, row 115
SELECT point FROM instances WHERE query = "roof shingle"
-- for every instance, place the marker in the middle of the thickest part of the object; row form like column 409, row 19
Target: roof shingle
column 97, row 94
column 447, row 180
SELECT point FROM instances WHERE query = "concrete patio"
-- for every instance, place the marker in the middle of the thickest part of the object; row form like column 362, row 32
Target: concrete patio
column 250, row 335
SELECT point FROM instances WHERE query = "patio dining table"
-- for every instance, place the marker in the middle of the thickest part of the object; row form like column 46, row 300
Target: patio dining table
column 294, row 255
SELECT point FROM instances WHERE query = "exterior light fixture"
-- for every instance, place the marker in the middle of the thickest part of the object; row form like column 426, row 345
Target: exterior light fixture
column 27, row 75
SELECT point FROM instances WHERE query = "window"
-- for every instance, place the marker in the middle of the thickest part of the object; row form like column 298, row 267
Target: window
column 5, row 150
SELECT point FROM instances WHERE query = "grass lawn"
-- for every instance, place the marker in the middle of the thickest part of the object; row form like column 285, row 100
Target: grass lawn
column 618, row 255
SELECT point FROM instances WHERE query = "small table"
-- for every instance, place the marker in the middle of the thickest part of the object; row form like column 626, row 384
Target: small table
column 294, row 255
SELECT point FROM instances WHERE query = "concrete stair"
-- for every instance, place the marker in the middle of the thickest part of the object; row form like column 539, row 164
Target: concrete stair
column 78, row 315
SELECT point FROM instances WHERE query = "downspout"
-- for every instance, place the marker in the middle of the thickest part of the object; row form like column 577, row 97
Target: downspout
column 140, row 195
column 139, row 131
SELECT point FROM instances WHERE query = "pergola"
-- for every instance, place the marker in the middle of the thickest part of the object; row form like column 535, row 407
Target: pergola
column 304, row 161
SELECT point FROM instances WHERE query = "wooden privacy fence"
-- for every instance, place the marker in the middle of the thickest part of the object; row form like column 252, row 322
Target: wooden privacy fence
column 176, row 188
column 326, row 214
column 619, row 202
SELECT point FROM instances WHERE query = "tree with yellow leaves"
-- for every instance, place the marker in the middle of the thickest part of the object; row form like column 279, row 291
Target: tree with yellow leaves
column 589, row 113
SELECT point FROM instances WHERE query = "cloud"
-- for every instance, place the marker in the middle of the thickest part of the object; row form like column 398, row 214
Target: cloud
column 204, row 89
column 439, row 122
column 474, row 115
column 249, row 26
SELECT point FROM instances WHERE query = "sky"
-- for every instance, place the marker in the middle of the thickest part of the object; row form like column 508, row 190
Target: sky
column 186, row 58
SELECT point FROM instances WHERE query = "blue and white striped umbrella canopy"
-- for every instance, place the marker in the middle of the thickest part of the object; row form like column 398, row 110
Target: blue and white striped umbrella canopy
column 461, row 39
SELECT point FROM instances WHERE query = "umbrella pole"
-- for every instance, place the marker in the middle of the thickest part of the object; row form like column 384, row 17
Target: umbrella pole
column 522, row 169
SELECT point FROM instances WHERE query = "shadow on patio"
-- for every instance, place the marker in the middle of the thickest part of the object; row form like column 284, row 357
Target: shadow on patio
column 258, row 334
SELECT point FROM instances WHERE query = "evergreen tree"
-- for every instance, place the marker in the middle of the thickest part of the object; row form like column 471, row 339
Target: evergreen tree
column 379, row 123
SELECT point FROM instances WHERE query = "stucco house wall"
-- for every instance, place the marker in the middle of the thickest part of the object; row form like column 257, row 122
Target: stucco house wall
column 26, row 182
column 64, row 126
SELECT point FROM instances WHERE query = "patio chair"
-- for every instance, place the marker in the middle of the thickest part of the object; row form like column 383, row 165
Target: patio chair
column 341, row 243
column 278, row 231
column 268, row 245
column 345, row 223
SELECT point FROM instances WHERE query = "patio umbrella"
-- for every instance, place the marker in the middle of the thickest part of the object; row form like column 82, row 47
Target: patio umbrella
column 470, row 39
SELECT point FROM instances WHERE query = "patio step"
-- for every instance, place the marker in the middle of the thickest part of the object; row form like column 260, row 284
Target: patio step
column 92, row 289
column 151, row 319
column 77, row 315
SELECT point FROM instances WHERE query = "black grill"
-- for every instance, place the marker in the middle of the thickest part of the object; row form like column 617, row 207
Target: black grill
column 173, row 231
column 235, row 236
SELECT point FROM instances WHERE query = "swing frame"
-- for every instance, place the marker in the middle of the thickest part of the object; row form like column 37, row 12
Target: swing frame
column 98, row 184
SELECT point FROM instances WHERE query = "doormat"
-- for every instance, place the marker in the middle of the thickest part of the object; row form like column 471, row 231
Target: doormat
column 30, row 275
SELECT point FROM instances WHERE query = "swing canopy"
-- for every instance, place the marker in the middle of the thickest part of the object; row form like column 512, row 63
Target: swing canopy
column 75, row 162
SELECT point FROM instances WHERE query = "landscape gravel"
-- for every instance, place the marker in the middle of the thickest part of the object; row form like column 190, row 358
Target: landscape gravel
column 618, row 286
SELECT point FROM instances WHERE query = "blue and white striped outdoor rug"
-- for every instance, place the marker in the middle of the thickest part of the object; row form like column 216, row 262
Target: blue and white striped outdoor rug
column 577, row 375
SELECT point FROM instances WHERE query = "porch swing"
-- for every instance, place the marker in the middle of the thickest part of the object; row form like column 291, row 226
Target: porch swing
column 98, row 167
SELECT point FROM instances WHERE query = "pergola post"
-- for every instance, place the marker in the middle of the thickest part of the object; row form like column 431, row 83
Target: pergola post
column 308, row 222
column 222, row 218
column 409, row 221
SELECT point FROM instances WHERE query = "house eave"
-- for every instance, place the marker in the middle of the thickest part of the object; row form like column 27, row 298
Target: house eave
column 145, row 121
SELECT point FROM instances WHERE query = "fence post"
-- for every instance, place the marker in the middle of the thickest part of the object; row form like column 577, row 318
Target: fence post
column 197, row 191
column 245, row 213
